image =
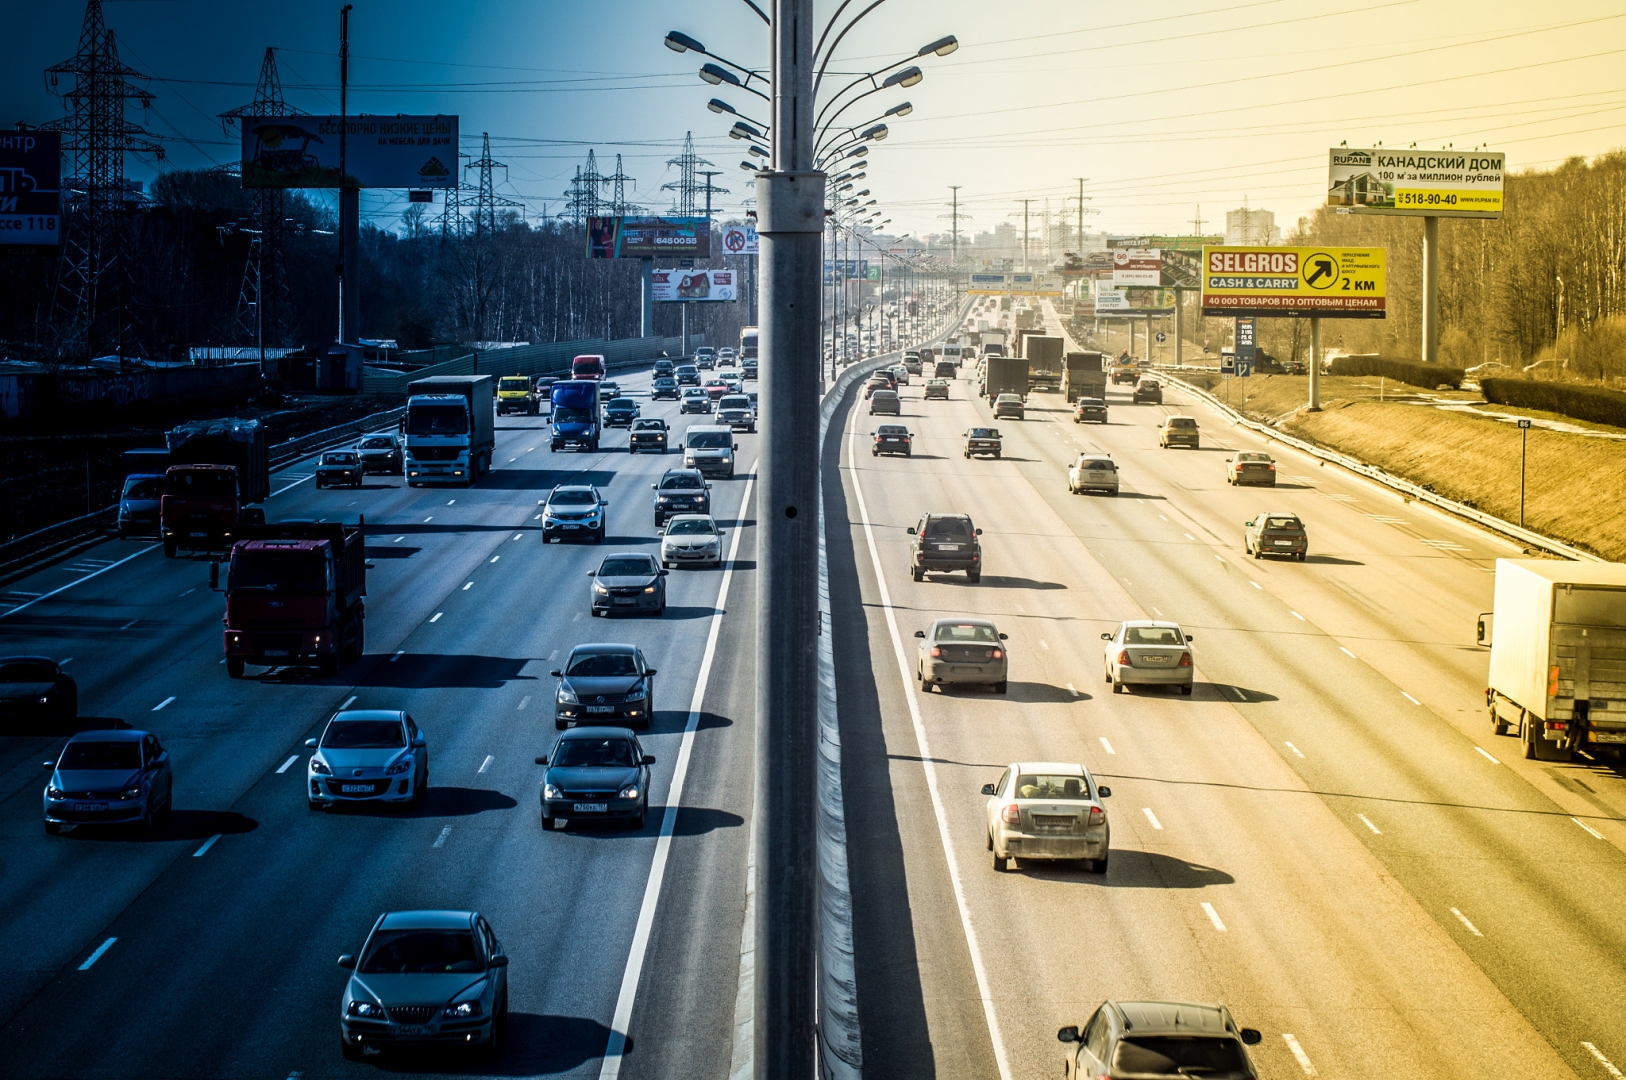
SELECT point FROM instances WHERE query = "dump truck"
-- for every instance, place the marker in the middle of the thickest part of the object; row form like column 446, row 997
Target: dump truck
column 217, row 470
column 1557, row 641
column 1044, row 357
column 1005, row 375
column 516, row 395
column 295, row 595
column 1083, row 374
column 450, row 429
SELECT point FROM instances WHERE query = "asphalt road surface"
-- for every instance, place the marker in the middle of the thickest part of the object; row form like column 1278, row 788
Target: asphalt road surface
column 224, row 928
column 1326, row 836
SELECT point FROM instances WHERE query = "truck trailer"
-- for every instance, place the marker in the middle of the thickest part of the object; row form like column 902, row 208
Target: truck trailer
column 1044, row 357
column 217, row 469
column 1083, row 374
column 1557, row 640
column 450, row 429
column 294, row 595
column 1005, row 375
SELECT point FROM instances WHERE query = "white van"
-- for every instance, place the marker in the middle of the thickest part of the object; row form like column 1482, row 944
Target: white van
column 710, row 449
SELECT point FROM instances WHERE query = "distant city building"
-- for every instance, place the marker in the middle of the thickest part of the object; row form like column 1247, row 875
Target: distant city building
column 1255, row 228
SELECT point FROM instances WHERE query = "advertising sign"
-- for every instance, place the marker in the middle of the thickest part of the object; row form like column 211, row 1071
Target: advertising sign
column 1326, row 282
column 379, row 151
column 845, row 270
column 1244, row 338
column 694, row 286
column 1137, row 266
column 1190, row 244
column 740, row 240
column 30, row 188
column 1444, row 184
column 1108, row 300
column 648, row 237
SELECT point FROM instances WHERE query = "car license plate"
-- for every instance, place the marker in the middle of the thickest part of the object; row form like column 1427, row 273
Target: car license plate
column 1283, row 543
column 412, row 1029
column 572, row 526
column 625, row 600
column 965, row 669
column 599, row 709
column 356, row 789
column 277, row 652
column 590, row 807
column 89, row 807
column 948, row 547
column 198, row 536
column 1155, row 658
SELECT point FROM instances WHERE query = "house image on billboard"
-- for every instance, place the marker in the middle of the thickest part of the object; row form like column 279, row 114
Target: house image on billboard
column 1359, row 189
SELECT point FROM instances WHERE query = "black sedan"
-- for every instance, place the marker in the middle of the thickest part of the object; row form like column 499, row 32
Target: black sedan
column 893, row 439
column 339, row 467
column 36, row 687
column 620, row 412
column 665, row 386
column 629, row 583
column 595, row 773
column 604, row 682
column 1090, row 411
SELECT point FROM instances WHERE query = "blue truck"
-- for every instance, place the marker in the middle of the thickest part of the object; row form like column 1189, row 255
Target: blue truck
column 576, row 419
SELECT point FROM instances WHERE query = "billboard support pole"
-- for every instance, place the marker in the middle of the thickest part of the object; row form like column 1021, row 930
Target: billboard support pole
column 647, row 321
column 1179, row 336
column 1431, row 289
column 1315, row 365
column 685, row 330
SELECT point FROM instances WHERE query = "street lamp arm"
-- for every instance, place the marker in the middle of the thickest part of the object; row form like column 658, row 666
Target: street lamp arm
column 871, row 76
column 825, row 63
column 760, row 13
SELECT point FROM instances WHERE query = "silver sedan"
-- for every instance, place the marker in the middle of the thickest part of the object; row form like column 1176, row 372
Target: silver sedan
column 962, row 652
column 1048, row 810
column 691, row 539
column 1149, row 652
column 367, row 755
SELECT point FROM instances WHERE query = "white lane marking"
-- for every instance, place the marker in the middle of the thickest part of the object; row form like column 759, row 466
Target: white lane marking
column 930, row 768
column 348, row 702
column 1213, row 916
column 1608, row 1066
column 188, row 592
column 1156, row 824
column 1256, row 585
column 286, row 764
column 97, row 955
column 291, row 486
column 512, row 460
column 1443, row 545
column 524, row 701
column 129, row 624
column 77, row 581
column 440, row 841
column 65, row 660
column 1409, row 698
column 1240, row 696
column 1587, row 827
column 1368, row 823
column 1158, row 610
column 1162, row 518
column 436, row 616
column 494, row 558
column 469, row 586
column 1106, row 745
column 1218, row 559
column 207, row 844
column 1190, row 537
column 1128, row 582
column 1471, row 927
column 398, row 539
column 428, row 519
column 552, row 654
column 1347, row 653
column 613, row 1051
column 528, row 449
column 1072, row 690
column 537, row 518
column 397, row 655
column 518, row 535
column 161, row 704
column 1297, row 616
column 1487, row 756
column 450, row 501
column 23, row 592
column 486, row 764
column 1298, row 1054
column 1043, row 644
column 1295, row 749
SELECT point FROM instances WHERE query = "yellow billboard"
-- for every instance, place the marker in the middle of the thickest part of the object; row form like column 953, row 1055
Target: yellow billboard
column 1278, row 282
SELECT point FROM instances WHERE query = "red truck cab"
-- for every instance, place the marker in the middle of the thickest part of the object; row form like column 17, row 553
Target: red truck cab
column 589, row 366
column 294, row 596
column 201, row 508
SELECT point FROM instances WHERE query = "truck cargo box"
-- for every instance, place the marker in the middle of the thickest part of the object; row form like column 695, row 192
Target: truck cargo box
column 238, row 443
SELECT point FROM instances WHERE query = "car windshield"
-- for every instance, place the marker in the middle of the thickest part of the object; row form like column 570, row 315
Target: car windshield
column 521, row 384
column 602, row 665
column 1152, row 635
column 628, row 566
column 966, row 632
column 983, row 433
column 665, row 381
column 1253, row 457
column 1179, row 1055
column 688, row 369
column 364, row 735
column 885, row 395
column 620, row 404
column 201, row 485
column 709, row 440
column 691, row 527
column 378, row 444
column 26, row 672
column 1007, row 398
column 588, row 753
column 1045, row 786
column 881, row 379
column 338, row 459
column 1290, row 524
column 738, row 401
column 610, row 385
column 571, row 416
column 648, row 425
column 892, row 429
column 421, row 952
column 143, row 487
column 101, row 755
column 1182, row 422
column 572, row 497
column 437, row 420
column 1091, row 401
column 681, row 482
column 289, row 571
column 948, row 529
column 1095, row 463
column 1148, row 384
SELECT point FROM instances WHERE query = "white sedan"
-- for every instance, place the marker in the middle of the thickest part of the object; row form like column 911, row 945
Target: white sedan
column 1048, row 810
column 1149, row 652
column 691, row 539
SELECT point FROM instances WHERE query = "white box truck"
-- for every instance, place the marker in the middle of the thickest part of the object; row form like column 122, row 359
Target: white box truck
column 1557, row 639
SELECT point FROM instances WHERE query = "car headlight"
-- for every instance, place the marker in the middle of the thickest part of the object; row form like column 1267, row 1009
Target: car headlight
column 551, row 792
column 46, row 700
column 636, row 693
column 462, row 1010
column 663, row 499
column 649, row 588
column 130, row 793
column 601, row 590
column 53, row 792
column 628, row 792
column 319, row 767
column 567, row 696
column 399, row 767
column 364, row 1008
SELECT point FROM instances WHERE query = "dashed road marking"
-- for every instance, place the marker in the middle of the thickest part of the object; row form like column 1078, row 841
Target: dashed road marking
column 436, row 616
column 1043, row 644
column 1409, row 698
column 1213, row 916
column 397, row 655
column 398, row 539
column 1295, row 749
column 163, row 703
column 468, row 586
column 1298, row 1054
column 440, row 841
column 349, row 701
column 1472, row 929
column 428, row 519
column 1443, row 545
column 1106, row 745
column 1190, row 537
column 1368, row 823
column 287, row 764
column 129, row 624
column 207, row 844
column 518, row 535
column 1588, row 828
column 486, row 764
column 1608, row 1066
column 1071, row 690
column 524, row 701
column 1256, row 585
column 450, row 501
column 1297, row 616
column 1156, row 824
column 1347, row 653
column 494, row 558
column 101, row 950
column 1339, row 498
column 1486, row 754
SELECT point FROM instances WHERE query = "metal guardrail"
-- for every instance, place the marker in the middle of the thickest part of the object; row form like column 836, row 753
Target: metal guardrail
column 1396, row 483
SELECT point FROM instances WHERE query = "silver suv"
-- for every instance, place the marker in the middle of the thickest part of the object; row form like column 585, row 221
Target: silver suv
column 736, row 411
column 1159, row 1038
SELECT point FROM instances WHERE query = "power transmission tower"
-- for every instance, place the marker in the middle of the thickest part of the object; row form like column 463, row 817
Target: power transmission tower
column 93, row 285
column 954, row 235
column 452, row 221
column 487, row 200
column 1197, row 222
column 583, row 199
column 263, row 296
column 618, row 198
column 687, row 187
column 712, row 190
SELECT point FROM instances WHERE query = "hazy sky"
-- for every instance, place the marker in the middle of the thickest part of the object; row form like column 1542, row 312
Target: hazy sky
column 1163, row 108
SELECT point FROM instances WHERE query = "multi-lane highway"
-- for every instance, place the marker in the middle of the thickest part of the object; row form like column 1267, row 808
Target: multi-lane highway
column 1326, row 836
column 224, row 928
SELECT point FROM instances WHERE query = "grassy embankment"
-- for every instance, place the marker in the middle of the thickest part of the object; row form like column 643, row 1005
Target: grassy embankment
column 1575, row 484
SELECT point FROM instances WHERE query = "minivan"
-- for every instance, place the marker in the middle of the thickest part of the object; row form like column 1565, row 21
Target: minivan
column 710, row 449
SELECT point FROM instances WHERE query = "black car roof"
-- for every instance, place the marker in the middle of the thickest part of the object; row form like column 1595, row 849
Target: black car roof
column 27, row 660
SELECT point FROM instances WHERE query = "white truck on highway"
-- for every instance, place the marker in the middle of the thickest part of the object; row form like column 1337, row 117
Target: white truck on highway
column 1557, row 639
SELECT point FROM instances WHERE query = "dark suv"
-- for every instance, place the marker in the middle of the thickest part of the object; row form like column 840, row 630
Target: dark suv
column 945, row 542
column 681, row 491
column 1159, row 1038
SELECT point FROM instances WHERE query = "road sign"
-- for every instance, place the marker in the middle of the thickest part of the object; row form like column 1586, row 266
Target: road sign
column 1243, row 335
column 1161, row 337
column 379, row 151
column 1244, row 367
column 740, row 239
column 1324, row 282
column 1227, row 365
column 1523, row 424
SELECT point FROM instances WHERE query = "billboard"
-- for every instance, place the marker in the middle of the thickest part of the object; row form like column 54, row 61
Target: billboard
column 648, row 237
column 1444, row 184
column 986, row 285
column 1115, row 301
column 1327, row 282
column 1137, row 266
column 694, row 286
column 1189, row 244
column 30, row 188
column 845, row 270
column 740, row 240
column 379, row 151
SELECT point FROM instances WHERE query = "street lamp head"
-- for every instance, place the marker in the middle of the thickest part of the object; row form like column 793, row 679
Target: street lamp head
column 758, row 151
column 872, row 202
column 860, row 152
column 903, row 109
column 909, row 76
column 876, row 133
column 861, row 194
column 747, row 166
column 680, row 42
column 718, row 105
column 713, row 74
column 942, row 46
column 844, row 187
column 743, row 131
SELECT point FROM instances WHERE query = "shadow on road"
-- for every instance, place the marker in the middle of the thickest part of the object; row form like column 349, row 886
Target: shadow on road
column 1131, row 870
column 435, row 802
column 184, row 825
column 537, row 1044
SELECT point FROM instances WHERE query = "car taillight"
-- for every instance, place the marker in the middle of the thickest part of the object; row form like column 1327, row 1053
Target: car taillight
column 1123, row 659
column 1098, row 816
column 999, row 654
column 1272, row 468
column 936, row 652
column 1185, row 659
column 1011, row 815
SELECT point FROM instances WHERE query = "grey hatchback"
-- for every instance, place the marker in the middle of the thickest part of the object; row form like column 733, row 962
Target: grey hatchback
column 1159, row 1038
column 629, row 582
column 1276, row 534
column 604, row 682
column 596, row 773
column 426, row 978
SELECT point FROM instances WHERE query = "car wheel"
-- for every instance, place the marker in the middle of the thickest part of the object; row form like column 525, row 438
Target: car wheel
column 1117, row 687
column 1098, row 866
column 1303, row 555
column 234, row 667
column 637, row 822
column 313, row 806
column 351, row 1051
column 1259, row 553
column 973, row 576
column 1186, row 690
column 53, row 828
column 169, row 549
column 328, row 665
column 918, row 573
column 1002, row 686
column 596, row 613
column 1001, row 865
column 561, row 724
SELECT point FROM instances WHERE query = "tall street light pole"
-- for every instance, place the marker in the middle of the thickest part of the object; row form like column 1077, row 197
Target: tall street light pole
column 790, row 222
